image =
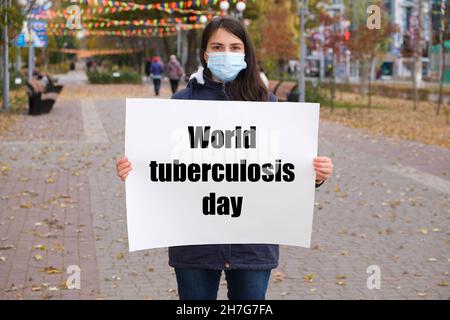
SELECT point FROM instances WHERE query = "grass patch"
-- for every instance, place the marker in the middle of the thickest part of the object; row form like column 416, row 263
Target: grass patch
column 108, row 77
column 18, row 108
column 352, row 106
column 393, row 118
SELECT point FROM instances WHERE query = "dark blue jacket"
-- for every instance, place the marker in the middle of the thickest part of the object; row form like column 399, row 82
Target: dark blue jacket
column 220, row 256
column 157, row 69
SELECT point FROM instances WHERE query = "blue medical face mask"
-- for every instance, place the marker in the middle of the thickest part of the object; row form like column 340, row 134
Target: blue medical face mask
column 226, row 66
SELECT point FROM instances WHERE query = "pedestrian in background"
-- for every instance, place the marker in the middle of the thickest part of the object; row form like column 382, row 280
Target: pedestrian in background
column 157, row 71
column 148, row 68
column 174, row 72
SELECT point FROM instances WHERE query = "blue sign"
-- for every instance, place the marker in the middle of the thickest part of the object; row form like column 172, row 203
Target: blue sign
column 21, row 41
column 38, row 35
column 38, row 30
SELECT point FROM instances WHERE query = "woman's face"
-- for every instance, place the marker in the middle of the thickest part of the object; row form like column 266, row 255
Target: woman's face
column 224, row 41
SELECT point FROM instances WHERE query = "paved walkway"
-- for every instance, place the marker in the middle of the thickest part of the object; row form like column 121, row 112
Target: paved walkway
column 61, row 204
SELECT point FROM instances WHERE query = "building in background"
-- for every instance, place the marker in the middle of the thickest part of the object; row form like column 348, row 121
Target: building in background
column 404, row 14
column 396, row 64
column 435, row 47
column 319, row 62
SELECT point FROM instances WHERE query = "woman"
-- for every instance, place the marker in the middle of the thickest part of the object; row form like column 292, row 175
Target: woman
column 229, row 72
column 174, row 72
column 157, row 71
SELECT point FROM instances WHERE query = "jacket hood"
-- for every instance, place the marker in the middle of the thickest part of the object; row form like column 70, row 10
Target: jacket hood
column 198, row 76
column 200, row 79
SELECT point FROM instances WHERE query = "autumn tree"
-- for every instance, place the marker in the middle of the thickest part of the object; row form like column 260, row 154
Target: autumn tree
column 441, row 34
column 333, row 41
column 413, row 47
column 369, row 44
column 274, row 33
column 16, row 17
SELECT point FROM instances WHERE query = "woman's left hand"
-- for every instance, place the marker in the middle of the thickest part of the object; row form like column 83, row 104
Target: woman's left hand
column 323, row 167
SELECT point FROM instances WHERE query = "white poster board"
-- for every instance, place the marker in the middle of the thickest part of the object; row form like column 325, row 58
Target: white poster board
column 211, row 172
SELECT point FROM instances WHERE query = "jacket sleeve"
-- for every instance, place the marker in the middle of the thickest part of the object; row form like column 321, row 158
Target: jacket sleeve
column 319, row 184
column 272, row 97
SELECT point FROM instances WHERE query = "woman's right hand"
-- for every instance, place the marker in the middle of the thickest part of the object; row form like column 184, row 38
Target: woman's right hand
column 124, row 168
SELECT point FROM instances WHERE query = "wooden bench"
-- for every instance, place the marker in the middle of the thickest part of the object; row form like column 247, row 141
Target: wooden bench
column 39, row 100
column 52, row 85
column 282, row 89
column 52, row 82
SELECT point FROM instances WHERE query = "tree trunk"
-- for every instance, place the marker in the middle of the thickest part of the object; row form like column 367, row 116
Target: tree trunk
column 414, row 84
column 363, row 77
column 370, row 82
column 333, row 83
column 441, row 80
column 166, row 43
column 192, row 64
column 418, row 51
column 45, row 58
column 1, row 61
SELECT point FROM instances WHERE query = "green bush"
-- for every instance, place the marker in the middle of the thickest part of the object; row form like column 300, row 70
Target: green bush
column 314, row 93
column 106, row 77
column 59, row 68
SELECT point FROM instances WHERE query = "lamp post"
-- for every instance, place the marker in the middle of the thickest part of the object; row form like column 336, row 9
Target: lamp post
column 240, row 8
column 30, row 52
column 442, row 56
column 224, row 6
column 31, row 4
column 179, row 35
column 301, row 10
column 203, row 19
column 24, row 4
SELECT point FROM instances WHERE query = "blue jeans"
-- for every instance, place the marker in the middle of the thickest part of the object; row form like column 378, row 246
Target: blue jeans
column 202, row 284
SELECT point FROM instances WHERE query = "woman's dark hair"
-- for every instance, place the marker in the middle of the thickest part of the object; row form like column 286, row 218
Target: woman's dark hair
column 248, row 86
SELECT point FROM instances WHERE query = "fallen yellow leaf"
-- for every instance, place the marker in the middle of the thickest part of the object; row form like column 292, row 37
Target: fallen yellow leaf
column 40, row 247
column 51, row 270
column 120, row 256
column 308, row 277
column 443, row 283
